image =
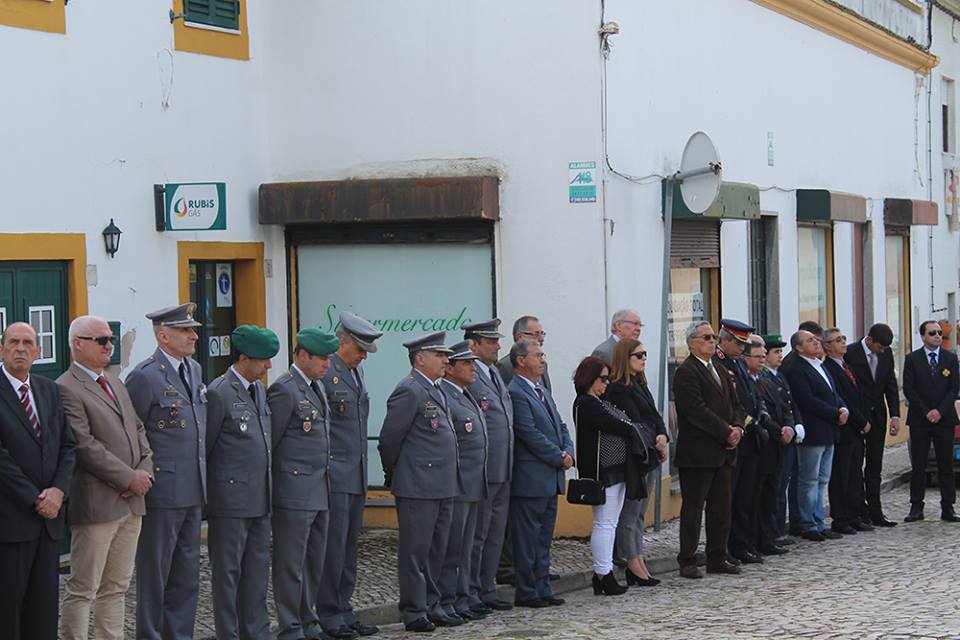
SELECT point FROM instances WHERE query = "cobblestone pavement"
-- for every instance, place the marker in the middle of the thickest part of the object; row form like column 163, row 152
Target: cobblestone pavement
column 882, row 585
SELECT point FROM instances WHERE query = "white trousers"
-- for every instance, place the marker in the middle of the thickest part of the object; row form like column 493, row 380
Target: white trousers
column 605, row 518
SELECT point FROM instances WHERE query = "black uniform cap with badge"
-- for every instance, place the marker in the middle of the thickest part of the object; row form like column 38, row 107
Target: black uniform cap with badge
column 739, row 330
column 257, row 343
column 484, row 329
column 362, row 332
column 773, row 341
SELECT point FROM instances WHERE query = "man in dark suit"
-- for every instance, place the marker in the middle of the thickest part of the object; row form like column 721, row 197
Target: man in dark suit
column 871, row 361
column 542, row 455
column 807, row 325
column 37, row 455
column 710, row 425
column 823, row 414
column 930, row 384
column 846, row 477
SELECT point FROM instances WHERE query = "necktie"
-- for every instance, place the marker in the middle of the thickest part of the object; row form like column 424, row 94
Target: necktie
column 493, row 377
column 849, row 373
column 252, row 390
column 933, row 362
column 443, row 398
column 356, row 376
column 713, row 371
column 106, row 388
column 542, row 397
column 872, row 360
column 186, row 383
column 28, row 408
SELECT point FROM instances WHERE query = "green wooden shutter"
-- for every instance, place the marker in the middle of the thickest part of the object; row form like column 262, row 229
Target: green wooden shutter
column 216, row 13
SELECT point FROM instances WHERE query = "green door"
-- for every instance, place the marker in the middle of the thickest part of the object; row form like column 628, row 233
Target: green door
column 211, row 289
column 36, row 292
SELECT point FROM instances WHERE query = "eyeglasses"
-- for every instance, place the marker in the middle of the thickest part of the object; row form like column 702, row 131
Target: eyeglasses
column 100, row 340
column 935, row 332
column 636, row 322
column 540, row 356
column 535, row 334
column 604, row 379
column 639, row 355
column 707, row 337
column 837, row 339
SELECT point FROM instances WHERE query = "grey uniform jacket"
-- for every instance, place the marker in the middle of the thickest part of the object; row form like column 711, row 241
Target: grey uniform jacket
column 471, row 429
column 498, row 412
column 238, row 449
column 604, row 350
column 301, row 427
column 418, row 442
column 176, row 428
column 349, row 410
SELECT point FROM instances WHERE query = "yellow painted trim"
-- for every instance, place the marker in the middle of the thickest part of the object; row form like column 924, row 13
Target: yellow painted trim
column 250, row 294
column 834, row 21
column 34, row 14
column 913, row 6
column 70, row 247
column 208, row 42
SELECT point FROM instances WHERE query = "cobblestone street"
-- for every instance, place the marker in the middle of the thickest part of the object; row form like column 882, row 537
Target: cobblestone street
column 885, row 584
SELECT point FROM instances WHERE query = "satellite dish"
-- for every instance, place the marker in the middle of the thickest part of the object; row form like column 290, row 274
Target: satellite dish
column 699, row 175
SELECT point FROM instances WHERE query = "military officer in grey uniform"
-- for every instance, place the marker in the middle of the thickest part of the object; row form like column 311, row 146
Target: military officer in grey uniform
column 490, row 391
column 238, row 506
column 471, row 429
column 350, row 406
column 418, row 447
column 301, row 426
column 170, row 399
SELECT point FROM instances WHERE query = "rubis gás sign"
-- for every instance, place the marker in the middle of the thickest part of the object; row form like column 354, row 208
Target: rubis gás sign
column 194, row 206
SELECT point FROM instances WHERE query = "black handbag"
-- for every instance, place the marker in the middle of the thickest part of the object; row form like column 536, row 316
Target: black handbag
column 587, row 490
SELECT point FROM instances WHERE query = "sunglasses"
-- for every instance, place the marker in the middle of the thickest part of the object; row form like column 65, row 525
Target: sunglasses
column 935, row 332
column 640, row 355
column 707, row 337
column 100, row 340
column 604, row 379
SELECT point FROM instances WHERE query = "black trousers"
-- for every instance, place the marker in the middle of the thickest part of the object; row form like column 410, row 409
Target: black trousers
column 941, row 435
column 873, row 453
column 699, row 488
column 743, row 528
column 29, row 589
column 766, row 494
column 846, row 481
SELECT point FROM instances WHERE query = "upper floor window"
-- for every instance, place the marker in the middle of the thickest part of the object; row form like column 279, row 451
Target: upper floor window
column 223, row 14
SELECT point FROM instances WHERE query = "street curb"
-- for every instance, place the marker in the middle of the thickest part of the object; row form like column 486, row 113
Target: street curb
column 389, row 614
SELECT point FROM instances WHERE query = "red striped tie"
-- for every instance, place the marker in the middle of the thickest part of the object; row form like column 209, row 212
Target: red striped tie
column 103, row 383
column 28, row 407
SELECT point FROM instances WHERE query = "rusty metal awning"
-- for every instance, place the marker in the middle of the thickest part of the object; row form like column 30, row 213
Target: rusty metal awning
column 393, row 200
column 736, row 201
column 823, row 205
column 902, row 212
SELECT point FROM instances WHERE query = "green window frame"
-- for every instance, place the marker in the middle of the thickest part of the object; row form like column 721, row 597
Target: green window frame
column 224, row 14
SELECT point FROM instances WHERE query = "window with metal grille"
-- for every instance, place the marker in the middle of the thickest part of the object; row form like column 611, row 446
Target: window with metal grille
column 224, row 14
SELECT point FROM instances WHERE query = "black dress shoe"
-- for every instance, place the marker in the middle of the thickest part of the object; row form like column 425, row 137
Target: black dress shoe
column 948, row 515
column 723, row 567
column 343, row 632
column 690, row 571
column 831, row 535
column 914, row 515
column 748, row 557
column 634, row 579
column 554, row 602
column 773, row 550
column 882, row 521
column 498, row 605
column 532, row 603
column 813, row 536
column 861, row 525
column 483, row 608
column 469, row 615
column 845, row 529
column 732, row 560
column 553, row 576
column 446, row 620
column 785, row 541
column 420, row 625
column 365, row 629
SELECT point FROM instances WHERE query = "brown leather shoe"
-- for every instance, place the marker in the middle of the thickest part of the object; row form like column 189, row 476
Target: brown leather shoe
column 723, row 567
column 690, row 571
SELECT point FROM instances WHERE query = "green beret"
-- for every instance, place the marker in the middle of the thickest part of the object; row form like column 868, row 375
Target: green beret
column 317, row 341
column 255, row 342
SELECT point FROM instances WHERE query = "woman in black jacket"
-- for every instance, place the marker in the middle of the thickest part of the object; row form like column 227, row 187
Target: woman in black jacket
column 603, row 443
column 628, row 391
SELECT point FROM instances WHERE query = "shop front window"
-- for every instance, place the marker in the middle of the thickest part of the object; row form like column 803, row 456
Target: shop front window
column 815, row 274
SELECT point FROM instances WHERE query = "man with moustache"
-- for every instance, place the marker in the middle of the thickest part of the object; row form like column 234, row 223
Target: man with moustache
column 170, row 398
column 346, row 389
